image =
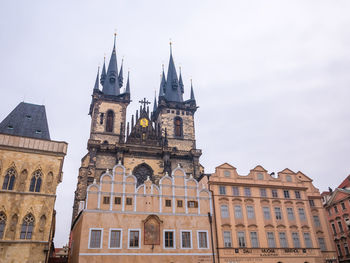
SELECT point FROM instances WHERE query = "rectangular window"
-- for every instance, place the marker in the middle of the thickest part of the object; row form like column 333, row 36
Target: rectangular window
column 340, row 253
column 317, row 221
column 286, row 194
column 168, row 203
column 296, row 241
column 329, row 212
column 250, row 212
column 186, row 239
column 302, row 215
column 278, row 213
column 297, row 195
column 106, row 200
column 346, row 248
column 263, row 192
column 95, row 238
column 117, row 200
column 307, row 240
column 238, row 211
column 334, row 230
column 336, row 209
column 134, row 238
column 322, row 244
column 235, row 191
column 224, row 211
column 254, row 239
column 129, row 201
column 274, row 193
column 311, row 202
column 101, row 118
column 290, row 213
column 222, row 190
column 271, row 240
column 179, row 203
column 169, row 239
column 340, row 225
column 227, row 239
column 267, row 214
column 192, row 204
column 115, row 239
column 343, row 206
column 247, row 191
column 202, row 239
column 283, row 239
column 241, row 239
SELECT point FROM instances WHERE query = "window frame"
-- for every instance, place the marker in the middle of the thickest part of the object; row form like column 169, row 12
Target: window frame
column 251, row 240
column 129, row 231
column 273, row 239
column 286, row 194
column 285, row 239
column 235, row 191
column 263, row 192
column 121, row 238
column 222, row 190
column 180, row 126
column 274, row 193
column 221, row 213
column 181, row 240
column 296, row 234
column 302, row 216
column 223, row 237
column 265, row 212
column 309, row 243
column 174, row 238
column 243, row 237
column 89, row 241
column 207, row 237
column 290, row 216
column 238, row 212
column 280, row 213
column 252, row 212
column 247, row 192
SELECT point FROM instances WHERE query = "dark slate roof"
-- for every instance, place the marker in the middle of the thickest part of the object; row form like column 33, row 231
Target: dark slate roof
column 27, row 120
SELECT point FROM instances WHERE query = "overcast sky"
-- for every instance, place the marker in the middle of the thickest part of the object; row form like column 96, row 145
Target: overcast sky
column 272, row 78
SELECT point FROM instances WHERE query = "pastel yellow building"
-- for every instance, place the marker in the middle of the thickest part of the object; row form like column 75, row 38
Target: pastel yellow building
column 263, row 218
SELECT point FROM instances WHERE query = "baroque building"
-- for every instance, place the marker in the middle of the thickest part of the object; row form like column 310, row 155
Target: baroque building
column 263, row 218
column 30, row 170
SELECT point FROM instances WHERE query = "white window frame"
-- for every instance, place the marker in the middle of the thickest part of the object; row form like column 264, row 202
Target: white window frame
column 228, row 211
column 134, row 229
column 206, row 231
column 174, row 235
column 121, row 238
column 89, row 241
column 181, row 231
column 223, row 237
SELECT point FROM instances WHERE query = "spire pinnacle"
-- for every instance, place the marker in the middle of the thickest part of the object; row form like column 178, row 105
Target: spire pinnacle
column 111, row 84
column 162, row 84
column 127, row 88
column 181, row 84
column 120, row 78
column 172, row 89
column 96, row 87
column 115, row 37
column 103, row 73
column 192, row 92
column 155, row 102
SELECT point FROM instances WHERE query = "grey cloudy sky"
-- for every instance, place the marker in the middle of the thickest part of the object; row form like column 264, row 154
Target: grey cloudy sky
column 271, row 77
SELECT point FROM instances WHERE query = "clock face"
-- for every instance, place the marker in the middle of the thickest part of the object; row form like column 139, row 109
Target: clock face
column 144, row 122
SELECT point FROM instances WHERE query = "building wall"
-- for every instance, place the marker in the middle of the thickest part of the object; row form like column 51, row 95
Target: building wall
column 260, row 185
column 25, row 156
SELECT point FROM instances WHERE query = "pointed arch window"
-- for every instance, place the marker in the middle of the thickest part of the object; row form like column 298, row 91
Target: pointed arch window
column 27, row 227
column 35, row 182
column 2, row 224
column 141, row 172
column 9, row 180
column 178, row 127
column 110, row 121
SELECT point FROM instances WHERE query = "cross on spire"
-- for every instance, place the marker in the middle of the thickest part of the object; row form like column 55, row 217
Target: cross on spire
column 144, row 102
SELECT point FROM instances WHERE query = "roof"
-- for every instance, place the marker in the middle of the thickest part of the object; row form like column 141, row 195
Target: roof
column 27, row 120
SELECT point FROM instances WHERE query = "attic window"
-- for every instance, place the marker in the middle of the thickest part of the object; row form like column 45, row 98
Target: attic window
column 38, row 131
column 288, row 178
column 10, row 127
column 28, row 117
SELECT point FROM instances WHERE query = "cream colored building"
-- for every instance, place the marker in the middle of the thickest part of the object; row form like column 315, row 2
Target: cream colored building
column 30, row 170
column 263, row 218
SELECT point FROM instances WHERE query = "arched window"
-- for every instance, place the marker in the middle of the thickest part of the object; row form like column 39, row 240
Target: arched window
column 35, row 182
column 9, row 180
column 27, row 227
column 110, row 121
column 2, row 224
column 141, row 172
column 178, row 127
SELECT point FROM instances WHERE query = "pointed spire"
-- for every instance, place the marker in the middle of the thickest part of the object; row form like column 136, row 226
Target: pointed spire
column 162, row 84
column 96, row 87
column 120, row 78
column 155, row 102
column 181, row 84
column 103, row 73
column 172, row 90
column 192, row 93
column 127, row 88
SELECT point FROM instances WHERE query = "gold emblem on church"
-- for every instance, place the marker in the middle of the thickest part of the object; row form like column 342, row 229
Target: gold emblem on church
column 144, row 122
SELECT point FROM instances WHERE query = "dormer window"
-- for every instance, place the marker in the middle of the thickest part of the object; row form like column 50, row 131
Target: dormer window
column 10, row 127
column 38, row 131
column 28, row 117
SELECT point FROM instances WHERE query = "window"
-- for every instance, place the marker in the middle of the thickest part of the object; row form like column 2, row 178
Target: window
column 329, row 211
column 311, row 202
column 286, row 193
column 271, row 240
column 340, row 225
column 322, row 244
column 101, row 118
column 9, row 179
column 336, row 209
column 235, row 191
column 260, row 176
column 340, row 253
column 128, row 201
column 186, row 240
column 178, row 126
column 2, row 224
column 254, row 239
column 27, row 227
column 115, row 237
column 263, row 192
column 110, row 121
column 106, row 199
column 317, row 221
column 227, row 173
column 283, row 239
column 247, row 191
column 238, row 211
column 169, row 238
column 202, row 239
column 227, row 239
column 117, row 200
column 288, row 178
column 274, row 193
column 241, row 239
column 278, row 213
column 343, row 206
column 334, row 230
column 35, row 182
column 95, row 238
column 307, row 240
column 346, row 248
column 222, row 190
column 302, row 215
column 192, row 204
column 266, row 212
column 224, row 211
column 297, row 195
column 179, row 203
column 290, row 213
column 296, row 241
column 250, row 212
column 134, row 238
column 168, row 203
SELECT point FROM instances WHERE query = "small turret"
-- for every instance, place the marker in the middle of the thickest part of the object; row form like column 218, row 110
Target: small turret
column 103, row 73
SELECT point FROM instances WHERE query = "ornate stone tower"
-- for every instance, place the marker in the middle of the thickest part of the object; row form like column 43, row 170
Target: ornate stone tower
column 152, row 145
